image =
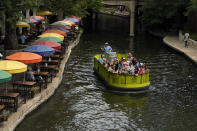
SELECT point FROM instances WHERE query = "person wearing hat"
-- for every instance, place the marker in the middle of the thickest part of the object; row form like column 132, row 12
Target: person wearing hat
column 107, row 48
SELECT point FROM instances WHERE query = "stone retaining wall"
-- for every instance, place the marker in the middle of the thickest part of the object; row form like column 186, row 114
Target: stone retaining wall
column 17, row 117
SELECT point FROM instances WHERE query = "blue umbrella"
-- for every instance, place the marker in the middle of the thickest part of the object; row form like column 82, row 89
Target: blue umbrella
column 40, row 49
column 58, row 28
column 73, row 20
column 36, row 19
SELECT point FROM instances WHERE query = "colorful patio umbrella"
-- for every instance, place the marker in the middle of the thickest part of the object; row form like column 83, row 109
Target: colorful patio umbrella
column 56, row 31
column 22, row 24
column 4, row 76
column 28, row 22
column 40, row 49
column 12, row 67
column 44, row 13
column 61, row 23
column 51, row 35
column 32, row 20
column 61, row 26
column 51, row 44
column 70, row 22
column 61, row 29
column 25, row 57
column 73, row 20
column 39, row 17
column 67, row 22
column 58, row 40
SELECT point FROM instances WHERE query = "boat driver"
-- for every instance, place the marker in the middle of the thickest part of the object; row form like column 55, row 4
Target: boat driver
column 107, row 48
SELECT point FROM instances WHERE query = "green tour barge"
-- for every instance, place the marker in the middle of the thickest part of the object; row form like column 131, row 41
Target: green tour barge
column 120, row 82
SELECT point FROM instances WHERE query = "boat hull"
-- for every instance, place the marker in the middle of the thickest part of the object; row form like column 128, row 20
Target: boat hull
column 120, row 82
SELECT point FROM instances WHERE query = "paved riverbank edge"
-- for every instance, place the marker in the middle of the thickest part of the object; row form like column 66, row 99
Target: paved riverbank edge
column 177, row 45
column 17, row 117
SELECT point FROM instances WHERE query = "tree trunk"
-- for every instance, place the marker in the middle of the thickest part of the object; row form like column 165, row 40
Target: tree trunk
column 11, row 42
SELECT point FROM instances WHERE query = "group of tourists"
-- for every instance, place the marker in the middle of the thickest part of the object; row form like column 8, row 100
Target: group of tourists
column 130, row 66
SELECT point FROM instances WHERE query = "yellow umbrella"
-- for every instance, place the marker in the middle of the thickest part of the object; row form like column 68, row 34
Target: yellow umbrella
column 12, row 67
column 22, row 24
column 44, row 13
column 51, row 35
column 66, row 22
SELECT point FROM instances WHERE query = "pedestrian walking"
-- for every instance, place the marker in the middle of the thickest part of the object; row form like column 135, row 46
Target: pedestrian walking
column 23, row 39
column 186, row 39
column 1, row 56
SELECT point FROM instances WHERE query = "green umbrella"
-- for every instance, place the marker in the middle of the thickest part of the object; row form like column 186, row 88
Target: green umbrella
column 4, row 76
column 61, row 23
column 50, row 39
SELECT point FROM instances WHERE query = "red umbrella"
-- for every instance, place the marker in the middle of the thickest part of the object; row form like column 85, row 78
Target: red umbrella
column 39, row 17
column 49, row 43
column 62, row 26
column 75, row 17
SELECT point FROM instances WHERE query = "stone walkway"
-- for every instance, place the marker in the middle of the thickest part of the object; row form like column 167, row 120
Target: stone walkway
column 174, row 43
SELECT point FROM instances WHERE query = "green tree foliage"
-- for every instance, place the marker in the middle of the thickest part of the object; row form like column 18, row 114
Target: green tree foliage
column 72, row 7
column 12, row 11
column 163, row 13
column 192, row 7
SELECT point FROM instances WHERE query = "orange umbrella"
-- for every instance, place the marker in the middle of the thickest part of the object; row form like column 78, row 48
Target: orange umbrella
column 25, row 57
column 39, row 17
column 56, row 31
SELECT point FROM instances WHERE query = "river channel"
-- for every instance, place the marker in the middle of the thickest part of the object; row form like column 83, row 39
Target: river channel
column 81, row 103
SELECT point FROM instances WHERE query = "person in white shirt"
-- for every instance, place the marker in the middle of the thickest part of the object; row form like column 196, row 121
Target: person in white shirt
column 1, row 56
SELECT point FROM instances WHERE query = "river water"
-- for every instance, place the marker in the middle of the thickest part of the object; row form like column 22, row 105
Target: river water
column 81, row 103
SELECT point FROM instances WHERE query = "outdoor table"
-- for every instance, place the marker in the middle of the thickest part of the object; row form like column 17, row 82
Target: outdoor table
column 49, row 68
column 44, row 75
column 55, row 56
column 52, row 62
column 26, row 85
column 10, row 98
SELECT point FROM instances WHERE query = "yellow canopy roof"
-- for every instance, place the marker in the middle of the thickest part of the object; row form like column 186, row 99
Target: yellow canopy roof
column 44, row 13
column 12, row 67
column 22, row 24
column 51, row 35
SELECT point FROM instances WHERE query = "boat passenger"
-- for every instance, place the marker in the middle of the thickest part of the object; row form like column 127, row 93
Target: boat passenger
column 146, row 70
column 134, row 61
column 130, row 68
column 141, row 70
column 101, row 59
column 110, row 68
column 107, row 48
column 130, row 57
column 136, row 71
column 120, row 66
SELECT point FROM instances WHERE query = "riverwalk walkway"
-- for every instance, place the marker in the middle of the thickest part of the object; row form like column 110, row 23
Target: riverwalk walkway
column 175, row 43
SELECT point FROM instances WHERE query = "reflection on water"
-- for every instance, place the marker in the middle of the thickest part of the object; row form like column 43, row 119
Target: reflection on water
column 82, row 103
